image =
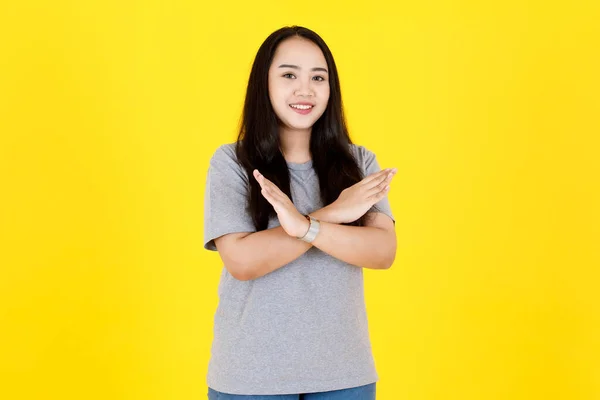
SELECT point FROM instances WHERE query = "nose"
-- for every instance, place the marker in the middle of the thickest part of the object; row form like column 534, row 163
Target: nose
column 303, row 93
column 303, row 89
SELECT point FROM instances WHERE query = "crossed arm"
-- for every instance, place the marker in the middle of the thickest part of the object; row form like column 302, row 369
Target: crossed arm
column 251, row 255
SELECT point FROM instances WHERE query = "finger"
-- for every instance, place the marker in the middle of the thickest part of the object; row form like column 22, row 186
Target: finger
column 378, row 176
column 373, row 176
column 381, row 185
column 265, row 184
column 381, row 177
column 267, row 195
column 263, row 179
column 379, row 195
column 272, row 190
column 258, row 176
column 273, row 193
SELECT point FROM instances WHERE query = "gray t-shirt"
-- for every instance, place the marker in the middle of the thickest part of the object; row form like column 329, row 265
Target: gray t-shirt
column 301, row 328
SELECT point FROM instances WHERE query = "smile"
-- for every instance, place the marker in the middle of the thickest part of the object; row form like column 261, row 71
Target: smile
column 301, row 108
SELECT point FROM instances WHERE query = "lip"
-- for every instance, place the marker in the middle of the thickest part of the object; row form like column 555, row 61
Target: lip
column 302, row 103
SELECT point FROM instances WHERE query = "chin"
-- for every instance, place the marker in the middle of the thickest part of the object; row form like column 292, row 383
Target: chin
column 300, row 126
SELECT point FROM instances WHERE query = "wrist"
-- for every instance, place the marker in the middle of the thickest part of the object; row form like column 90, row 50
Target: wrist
column 313, row 229
column 304, row 227
column 327, row 214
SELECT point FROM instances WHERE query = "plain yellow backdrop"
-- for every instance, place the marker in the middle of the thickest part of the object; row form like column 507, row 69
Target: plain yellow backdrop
column 110, row 111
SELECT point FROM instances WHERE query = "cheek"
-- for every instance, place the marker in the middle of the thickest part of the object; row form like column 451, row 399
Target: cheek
column 278, row 100
column 274, row 90
column 324, row 95
column 278, row 95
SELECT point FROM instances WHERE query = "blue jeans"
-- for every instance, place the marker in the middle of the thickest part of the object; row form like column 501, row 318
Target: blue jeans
column 366, row 392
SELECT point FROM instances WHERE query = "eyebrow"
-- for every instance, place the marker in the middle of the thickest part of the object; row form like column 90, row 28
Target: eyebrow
column 297, row 67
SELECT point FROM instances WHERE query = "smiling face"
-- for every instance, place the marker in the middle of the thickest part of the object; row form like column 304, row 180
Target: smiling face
column 298, row 83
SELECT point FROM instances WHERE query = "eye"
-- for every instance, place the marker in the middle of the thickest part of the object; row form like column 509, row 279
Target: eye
column 285, row 75
column 319, row 78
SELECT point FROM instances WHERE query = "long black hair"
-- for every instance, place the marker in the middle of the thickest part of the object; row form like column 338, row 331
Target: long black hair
column 258, row 144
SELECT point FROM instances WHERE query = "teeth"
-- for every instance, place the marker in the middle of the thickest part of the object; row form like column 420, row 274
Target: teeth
column 300, row 106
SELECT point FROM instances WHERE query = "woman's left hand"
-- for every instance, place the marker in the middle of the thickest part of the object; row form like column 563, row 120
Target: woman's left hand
column 292, row 222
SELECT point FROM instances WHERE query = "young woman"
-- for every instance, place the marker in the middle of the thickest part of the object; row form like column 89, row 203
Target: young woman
column 295, row 210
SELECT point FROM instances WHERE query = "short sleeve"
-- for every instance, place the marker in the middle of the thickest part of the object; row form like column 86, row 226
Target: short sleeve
column 371, row 167
column 225, row 197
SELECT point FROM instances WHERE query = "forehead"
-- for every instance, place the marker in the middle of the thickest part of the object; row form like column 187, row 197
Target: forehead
column 299, row 51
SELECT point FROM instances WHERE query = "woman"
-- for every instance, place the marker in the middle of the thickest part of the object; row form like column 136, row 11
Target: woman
column 295, row 210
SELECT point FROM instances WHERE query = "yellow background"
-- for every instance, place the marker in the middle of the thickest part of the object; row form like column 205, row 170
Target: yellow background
column 110, row 111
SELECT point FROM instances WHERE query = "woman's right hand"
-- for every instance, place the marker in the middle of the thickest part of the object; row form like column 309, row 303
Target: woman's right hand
column 356, row 200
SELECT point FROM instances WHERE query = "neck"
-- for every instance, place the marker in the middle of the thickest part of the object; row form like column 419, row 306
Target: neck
column 295, row 145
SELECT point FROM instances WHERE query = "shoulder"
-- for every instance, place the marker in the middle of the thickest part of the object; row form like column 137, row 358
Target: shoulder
column 225, row 152
column 224, row 161
column 364, row 157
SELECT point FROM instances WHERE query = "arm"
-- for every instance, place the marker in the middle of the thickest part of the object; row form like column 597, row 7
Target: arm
column 252, row 255
column 372, row 246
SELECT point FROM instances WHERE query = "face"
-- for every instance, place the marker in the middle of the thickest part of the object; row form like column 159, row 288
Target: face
column 298, row 83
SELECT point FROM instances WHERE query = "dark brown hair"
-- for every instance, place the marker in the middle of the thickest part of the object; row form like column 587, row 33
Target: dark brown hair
column 258, row 145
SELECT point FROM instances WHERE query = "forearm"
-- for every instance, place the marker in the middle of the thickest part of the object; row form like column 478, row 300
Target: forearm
column 265, row 251
column 363, row 246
